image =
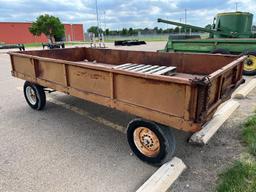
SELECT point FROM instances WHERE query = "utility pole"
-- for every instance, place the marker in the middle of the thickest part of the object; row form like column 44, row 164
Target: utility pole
column 104, row 20
column 185, row 16
column 180, row 27
column 236, row 6
column 185, row 20
column 97, row 14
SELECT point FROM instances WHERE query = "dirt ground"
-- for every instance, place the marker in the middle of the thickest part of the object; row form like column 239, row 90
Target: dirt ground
column 91, row 162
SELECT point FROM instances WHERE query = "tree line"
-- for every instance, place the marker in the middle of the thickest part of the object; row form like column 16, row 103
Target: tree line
column 131, row 31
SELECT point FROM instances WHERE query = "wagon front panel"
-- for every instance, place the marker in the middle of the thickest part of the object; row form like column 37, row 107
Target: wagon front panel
column 23, row 67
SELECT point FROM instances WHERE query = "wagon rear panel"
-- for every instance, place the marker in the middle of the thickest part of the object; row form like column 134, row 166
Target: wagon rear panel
column 217, row 88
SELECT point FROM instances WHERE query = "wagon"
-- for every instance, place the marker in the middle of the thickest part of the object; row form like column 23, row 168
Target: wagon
column 163, row 90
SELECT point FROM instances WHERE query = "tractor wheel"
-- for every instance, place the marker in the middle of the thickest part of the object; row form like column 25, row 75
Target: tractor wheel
column 150, row 142
column 220, row 51
column 250, row 64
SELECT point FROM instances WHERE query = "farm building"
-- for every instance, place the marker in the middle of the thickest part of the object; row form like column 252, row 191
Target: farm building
column 18, row 32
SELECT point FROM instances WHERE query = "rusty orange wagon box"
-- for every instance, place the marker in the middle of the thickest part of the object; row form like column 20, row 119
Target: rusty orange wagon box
column 177, row 90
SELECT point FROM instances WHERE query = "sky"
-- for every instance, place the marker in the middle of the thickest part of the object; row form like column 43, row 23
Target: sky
column 118, row 14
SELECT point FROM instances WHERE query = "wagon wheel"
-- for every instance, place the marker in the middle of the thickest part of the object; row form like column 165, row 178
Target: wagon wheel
column 250, row 64
column 34, row 95
column 150, row 142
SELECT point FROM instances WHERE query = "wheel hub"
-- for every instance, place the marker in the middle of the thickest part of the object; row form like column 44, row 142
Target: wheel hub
column 146, row 141
column 31, row 95
column 250, row 63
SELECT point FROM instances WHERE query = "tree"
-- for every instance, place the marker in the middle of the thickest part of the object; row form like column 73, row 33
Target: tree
column 160, row 31
column 107, row 32
column 176, row 29
column 209, row 26
column 130, row 31
column 49, row 25
column 254, row 28
column 124, row 31
column 156, row 29
column 95, row 30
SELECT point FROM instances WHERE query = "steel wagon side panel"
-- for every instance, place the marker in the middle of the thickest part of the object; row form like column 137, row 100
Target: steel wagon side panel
column 165, row 102
column 160, row 96
column 89, row 80
column 50, row 71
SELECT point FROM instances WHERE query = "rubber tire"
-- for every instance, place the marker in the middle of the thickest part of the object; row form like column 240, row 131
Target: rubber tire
column 253, row 72
column 40, row 95
column 220, row 51
column 165, row 136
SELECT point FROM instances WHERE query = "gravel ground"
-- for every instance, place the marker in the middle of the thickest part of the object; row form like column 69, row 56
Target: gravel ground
column 59, row 150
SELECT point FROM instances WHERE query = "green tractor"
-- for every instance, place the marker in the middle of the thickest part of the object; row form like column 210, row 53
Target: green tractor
column 231, row 33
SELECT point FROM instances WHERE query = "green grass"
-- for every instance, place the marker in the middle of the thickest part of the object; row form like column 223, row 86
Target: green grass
column 33, row 45
column 241, row 177
column 77, row 43
column 249, row 134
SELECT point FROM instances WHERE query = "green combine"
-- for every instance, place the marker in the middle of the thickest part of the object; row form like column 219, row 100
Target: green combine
column 231, row 33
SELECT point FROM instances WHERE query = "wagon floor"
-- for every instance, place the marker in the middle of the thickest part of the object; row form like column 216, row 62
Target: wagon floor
column 188, row 76
column 110, row 66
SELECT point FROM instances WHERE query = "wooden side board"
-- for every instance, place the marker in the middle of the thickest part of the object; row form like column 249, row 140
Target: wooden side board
column 168, row 103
